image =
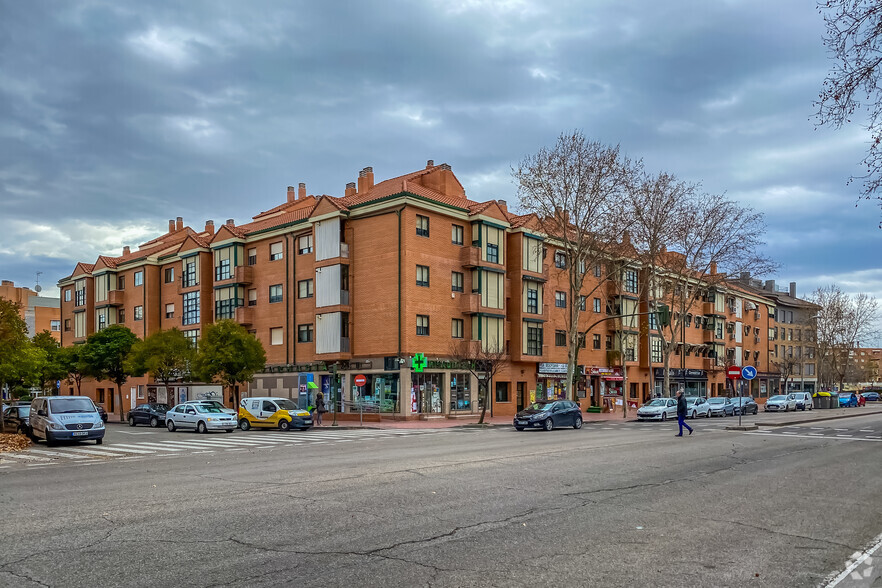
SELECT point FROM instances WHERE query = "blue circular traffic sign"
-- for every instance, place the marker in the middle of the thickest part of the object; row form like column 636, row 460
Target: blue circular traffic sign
column 748, row 372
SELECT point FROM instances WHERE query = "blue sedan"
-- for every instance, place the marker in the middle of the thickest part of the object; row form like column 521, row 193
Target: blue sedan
column 847, row 399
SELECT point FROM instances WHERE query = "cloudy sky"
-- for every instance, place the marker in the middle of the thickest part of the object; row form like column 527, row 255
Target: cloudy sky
column 116, row 116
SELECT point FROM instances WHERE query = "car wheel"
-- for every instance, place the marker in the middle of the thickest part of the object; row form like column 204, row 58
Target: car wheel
column 284, row 425
column 154, row 422
column 201, row 428
column 578, row 423
column 131, row 421
column 754, row 411
column 23, row 431
column 519, row 428
column 244, row 424
column 99, row 441
column 228, row 430
column 548, row 425
column 170, row 425
column 693, row 415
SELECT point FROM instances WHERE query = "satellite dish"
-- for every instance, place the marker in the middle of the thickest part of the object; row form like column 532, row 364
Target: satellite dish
column 38, row 288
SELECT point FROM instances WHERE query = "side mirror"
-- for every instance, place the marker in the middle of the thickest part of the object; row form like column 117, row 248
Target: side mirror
column 41, row 412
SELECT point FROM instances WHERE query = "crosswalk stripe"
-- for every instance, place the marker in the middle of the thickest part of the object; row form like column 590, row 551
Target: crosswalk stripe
column 25, row 456
column 54, row 453
column 126, row 449
column 203, row 442
column 103, row 452
column 153, row 446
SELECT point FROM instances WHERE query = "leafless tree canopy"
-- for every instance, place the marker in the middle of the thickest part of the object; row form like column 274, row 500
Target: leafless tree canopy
column 853, row 37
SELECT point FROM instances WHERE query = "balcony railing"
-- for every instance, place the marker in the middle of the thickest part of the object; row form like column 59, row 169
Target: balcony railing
column 245, row 315
column 116, row 297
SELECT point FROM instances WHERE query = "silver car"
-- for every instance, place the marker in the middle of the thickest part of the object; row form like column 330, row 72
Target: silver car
column 214, row 403
column 721, row 406
column 697, row 406
column 202, row 417
column 781, row 403
column 658, row 409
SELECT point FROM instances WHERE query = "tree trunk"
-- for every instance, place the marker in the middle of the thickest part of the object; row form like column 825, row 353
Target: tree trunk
column 122, row 404
column 484, row 388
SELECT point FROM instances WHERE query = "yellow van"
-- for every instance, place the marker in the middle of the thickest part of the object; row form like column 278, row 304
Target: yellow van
column 272, row 412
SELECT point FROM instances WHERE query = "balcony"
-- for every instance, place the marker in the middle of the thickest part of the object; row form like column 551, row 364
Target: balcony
column 708, row 308
column 245, row 315
column 471, row 303
column 470, row 256
column 242, row 274
column 116, row 298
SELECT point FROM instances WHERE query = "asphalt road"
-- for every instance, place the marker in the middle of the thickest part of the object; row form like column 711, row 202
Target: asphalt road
column 614, row 504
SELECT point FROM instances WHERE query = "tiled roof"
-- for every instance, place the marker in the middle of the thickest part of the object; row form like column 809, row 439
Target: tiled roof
column 108, row 261
column 274, row 221
column 307, row 202
column 406, row 183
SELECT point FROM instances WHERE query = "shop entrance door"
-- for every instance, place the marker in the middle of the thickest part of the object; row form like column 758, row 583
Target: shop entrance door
column 427, row 390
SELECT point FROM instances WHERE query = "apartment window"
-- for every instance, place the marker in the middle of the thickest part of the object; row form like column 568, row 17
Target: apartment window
column 631, row 281
column 582, row 303
column 596, row 307
column 534, row 339
column 276, row 336
column 67, row 324
column 304, row 289
column 456, row 282
column 169, row 276
column 810, row 369
column 597, row 270
column 121, row 316
column 422, row 325
column 492, row 253
column 121, row 283
column 629, row 354
column 191, row 309
column 608, row 342
column 596, row 341
column 139, row 278
column 192, row 336
column 653, row 321
column 560, row 338
column 656, row 350
column 169, row 311
column 304, row 333
column 252, row 297
column 55, row 325
column 422, row 275
column 457, row 235
column 304, row 245
column 67, row 295
column 139, row 313
column 275, row 293
column 560, row 299
column 252, row 256
column 189, row 277
column 560, row 259
column 422, row 225
column 456, row 328
column 533, row 300
column 275, row 251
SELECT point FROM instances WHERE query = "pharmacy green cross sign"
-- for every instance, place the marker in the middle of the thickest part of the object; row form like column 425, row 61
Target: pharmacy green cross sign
column 419, row 362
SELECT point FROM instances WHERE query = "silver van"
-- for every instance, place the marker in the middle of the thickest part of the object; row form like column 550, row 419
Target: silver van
column 65, row 418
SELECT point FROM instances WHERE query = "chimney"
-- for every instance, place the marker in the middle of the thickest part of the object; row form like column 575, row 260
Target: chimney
column 350, row 189
column 445, row 166
column 209, row 227
column 626, row 237
column 301, row 190
column 361, row 181
column 171, row 226
column 713, row 268
column 7, row 283
column 503, row 205
column 430, row 163
column 369, row 177
column 793, row 289
column 179, row 223
column 664, row 250
column 745, row 277
column 126, row 250
column 769, row 286
column 291, row 194
column 230, row 222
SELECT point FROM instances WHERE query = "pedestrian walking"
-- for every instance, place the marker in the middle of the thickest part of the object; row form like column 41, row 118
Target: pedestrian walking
column 681, row 412
column 319, row 407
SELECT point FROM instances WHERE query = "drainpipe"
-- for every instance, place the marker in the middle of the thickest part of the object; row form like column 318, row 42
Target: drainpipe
column 290, row 351
column 398, row 214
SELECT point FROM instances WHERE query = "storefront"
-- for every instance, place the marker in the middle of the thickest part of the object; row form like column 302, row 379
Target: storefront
column 379, row 394
column 551, row 381
column 460, row 392
column 693, row 382
column 426, row 393
column 603, row 382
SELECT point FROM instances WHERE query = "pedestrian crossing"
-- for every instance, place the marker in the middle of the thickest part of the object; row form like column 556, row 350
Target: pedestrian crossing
column 818, row 432
column 38, row 455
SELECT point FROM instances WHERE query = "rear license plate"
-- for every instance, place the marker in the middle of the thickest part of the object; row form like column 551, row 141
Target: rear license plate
column 80, row 433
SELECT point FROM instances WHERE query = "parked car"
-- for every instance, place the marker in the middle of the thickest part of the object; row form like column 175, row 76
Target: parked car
column 65, row 418
column 745, row 405
column 848, row 399
column 214, row 403
column 547, row 415
column 721, row 406
column 697, row 406
column 101, row 412
column 871, row 396
column 201, row 417
column 273, row 412
column 803, row 400
column 658, row 409
column 781, row 403
column 152, row 413
column 16, row 418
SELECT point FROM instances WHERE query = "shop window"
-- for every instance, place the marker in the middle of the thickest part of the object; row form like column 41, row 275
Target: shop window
column 502, row 392
column 426, row 393
column 460, row 395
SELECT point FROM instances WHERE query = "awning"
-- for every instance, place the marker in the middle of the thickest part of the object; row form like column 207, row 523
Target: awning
column 613, row 378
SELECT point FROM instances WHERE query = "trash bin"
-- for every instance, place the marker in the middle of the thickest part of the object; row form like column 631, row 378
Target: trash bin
column 816, row 402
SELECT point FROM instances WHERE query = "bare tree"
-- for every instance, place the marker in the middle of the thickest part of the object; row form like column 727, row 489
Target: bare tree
column 854, row 41
column 843, row 321
column 484, row 361
column 576, row 190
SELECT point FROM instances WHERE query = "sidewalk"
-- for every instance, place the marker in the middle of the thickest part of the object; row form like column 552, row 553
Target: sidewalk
column 445, row 423
column 810, row 416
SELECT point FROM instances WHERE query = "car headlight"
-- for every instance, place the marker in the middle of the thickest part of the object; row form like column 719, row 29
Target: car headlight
column 98, row 425
column 539, row 416
column 55, row 426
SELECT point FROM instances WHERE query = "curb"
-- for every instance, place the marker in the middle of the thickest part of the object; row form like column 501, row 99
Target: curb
column 742, row 428
column 804, row 421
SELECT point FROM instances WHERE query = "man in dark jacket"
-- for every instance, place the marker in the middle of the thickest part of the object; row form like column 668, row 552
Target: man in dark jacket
column 681, row 412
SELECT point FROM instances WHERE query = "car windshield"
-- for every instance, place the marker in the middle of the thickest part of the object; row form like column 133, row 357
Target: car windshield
column 285, row 404
column 716, row 400
column 207, row 408
column 24, row 411
column 779, row 397
column 541, row 406
column 69, row 405
column 161, row 407
column 657, row 402
column 845, row 395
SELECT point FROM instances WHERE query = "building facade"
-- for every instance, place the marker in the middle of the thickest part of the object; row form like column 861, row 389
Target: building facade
column 40, row 313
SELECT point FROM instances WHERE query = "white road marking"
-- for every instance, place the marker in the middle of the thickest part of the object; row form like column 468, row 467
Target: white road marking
column 874, row 437
column 840, row 429
column 845, row 435
column 55, row 453
column 817, row 427
column 103, row 452
column 789, row 433
column 25, row 456
column 856, row 559
column 138, row 432
column 809, row 436
column 866, row 430
column 125, row 449
column 153, row 446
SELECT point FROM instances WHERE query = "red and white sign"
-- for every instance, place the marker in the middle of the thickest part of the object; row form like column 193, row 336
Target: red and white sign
column 733, row 372
column 360, row 380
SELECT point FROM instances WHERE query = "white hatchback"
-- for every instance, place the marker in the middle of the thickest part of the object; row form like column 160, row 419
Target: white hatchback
column 697, row 406
column 201, row 417
column 781, row 403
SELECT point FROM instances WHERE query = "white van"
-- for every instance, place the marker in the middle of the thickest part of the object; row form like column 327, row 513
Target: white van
column 65, row 418
column 803, row 400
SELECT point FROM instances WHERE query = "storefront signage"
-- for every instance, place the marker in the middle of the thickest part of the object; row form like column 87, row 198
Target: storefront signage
column 679, row 374
column 552, row 368
column 296, row 367
column 603, row 371
column 419, row 362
